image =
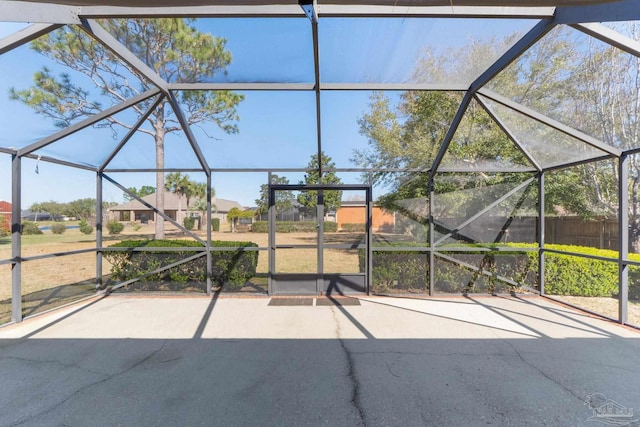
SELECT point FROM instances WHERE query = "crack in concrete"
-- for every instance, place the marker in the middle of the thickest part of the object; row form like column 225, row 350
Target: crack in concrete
column 53, row 362
column 351, row 374
column 85, row 387
column 553, row 380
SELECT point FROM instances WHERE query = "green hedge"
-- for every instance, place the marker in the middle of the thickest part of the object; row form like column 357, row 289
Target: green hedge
column 353, row 228
column 215, row 224
column 294, row 226
column 564, row 274
column 231, row 268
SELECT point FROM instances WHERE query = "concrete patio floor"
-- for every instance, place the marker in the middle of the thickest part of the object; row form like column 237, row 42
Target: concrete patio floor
column 188, row 361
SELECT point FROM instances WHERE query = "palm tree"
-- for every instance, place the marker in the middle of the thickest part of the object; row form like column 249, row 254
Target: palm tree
column 198, row 191
column 178, row 185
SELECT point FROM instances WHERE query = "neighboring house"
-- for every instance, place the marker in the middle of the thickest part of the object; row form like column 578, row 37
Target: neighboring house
column 354, row 212
column 5, row 215
column 136, row 211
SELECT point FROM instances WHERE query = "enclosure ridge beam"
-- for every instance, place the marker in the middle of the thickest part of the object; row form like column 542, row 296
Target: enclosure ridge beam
column 622, row 10
column 457, row 119
column 610, row 36
column 25, row 35
column 236, row 86
column 103, row 36
column 42, row 12
column 496, row 169
column 383, row 11
column 130, row 133
column 87, row 122
column 189, row 134
column 520, row 47
column 510, row 135
column 513, row 191
column 148, row 205
column 120, row 170
column 456, row 87
column 541, row 118
column 328, row 10
column 209, row 11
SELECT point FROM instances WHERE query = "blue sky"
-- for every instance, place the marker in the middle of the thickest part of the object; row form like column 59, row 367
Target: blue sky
column 277, row 129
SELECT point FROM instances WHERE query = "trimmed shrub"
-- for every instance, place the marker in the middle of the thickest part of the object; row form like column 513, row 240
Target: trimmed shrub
column 353, row 228
column 189, row 222
column 29, row 227
column 294, row 226
column 85, row 228
column 232, row 268
column 115, row 227
column 58, row 228
column 215, row 224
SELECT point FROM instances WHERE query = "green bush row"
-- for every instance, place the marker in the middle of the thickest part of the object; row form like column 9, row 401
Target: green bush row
column 233, row 268
column 353, row 228
column 564, row 274
column 294, row 226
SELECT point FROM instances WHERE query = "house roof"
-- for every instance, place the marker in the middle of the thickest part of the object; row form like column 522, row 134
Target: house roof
column 171, row 203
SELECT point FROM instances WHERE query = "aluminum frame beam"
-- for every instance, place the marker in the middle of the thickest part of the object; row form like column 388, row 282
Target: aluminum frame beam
column 155, row 209
column 45, row 11
column 87, row 122
column 186, row 128
column 96, row 31
column 515, row 51
column 541, row 118
column 610, row 37
column 25, row 35
column 623, row 10
column 130, row 133
column 507, row 132
column 16, row 239
column 486, row 209
column 453, row 127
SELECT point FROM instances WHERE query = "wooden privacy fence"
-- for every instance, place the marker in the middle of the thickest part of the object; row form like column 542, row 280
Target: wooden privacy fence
column 601, row 233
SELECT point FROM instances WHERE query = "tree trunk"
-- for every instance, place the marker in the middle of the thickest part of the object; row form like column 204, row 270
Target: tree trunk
column 159, row 140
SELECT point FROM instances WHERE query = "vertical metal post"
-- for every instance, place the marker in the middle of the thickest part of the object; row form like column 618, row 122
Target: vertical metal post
column 272, row 236
column 540, row 236
column 432, row 229
column 99, row 219
column 320, row 219
column 623, row 239
column 16, row 235
column 369, row 240
column 208, row 245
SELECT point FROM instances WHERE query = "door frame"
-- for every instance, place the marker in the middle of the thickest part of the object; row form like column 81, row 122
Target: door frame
column 319, row 274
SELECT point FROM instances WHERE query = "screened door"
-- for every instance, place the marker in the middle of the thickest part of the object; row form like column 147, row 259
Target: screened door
column 319, row 239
